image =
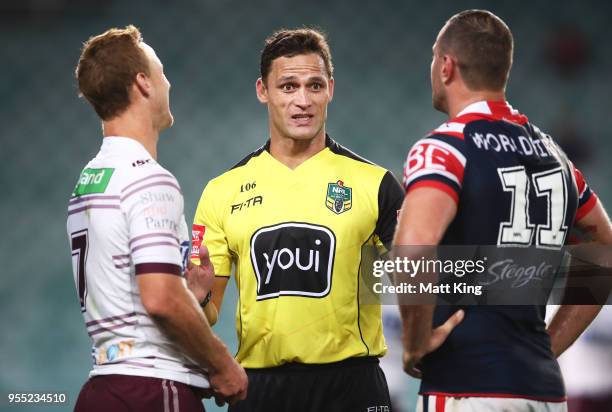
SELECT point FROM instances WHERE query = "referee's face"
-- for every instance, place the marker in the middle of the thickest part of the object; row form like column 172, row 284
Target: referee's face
column 297, row 92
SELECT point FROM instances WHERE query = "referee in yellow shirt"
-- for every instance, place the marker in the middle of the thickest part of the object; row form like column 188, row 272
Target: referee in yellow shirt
column 292, row 218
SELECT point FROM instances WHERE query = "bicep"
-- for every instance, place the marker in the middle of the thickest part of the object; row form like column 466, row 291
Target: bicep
column 433, row 179
column 425, row 215
column 390, row 197
column 208, row 230
column 597, row 224
column 159, row 291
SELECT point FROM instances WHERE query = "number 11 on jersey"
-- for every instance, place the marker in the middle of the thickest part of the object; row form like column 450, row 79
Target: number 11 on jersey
column 519, row 230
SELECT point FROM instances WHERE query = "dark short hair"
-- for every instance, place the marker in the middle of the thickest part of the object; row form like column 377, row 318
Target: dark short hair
column 289, row 43
column 108, row 67
column 483, row 46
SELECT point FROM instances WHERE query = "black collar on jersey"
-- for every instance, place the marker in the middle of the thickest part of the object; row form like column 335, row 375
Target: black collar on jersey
column 329, row 143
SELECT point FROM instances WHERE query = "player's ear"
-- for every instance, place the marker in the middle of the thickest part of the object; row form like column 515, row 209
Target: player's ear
column 447, row 68
column 262, row 91
column 330, row 87
column 143, row 84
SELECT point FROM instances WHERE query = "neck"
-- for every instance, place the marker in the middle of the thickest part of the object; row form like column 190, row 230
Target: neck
column 294, row 152
column 463, row 99
column 135, row 125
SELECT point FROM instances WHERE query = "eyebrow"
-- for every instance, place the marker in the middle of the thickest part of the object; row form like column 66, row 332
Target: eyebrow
column 317, row 79
column 294, row 78
column 287, row 78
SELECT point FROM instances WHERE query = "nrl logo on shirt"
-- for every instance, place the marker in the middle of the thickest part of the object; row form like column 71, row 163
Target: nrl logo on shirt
column 339, row 198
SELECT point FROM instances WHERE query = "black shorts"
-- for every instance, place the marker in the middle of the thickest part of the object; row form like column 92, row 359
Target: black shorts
column 356, row 384
column 119, row 393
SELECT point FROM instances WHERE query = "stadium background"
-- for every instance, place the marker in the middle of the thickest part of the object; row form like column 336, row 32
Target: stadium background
column 210, row 49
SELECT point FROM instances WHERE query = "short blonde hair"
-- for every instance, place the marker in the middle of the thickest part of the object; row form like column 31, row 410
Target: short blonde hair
column 108, row 67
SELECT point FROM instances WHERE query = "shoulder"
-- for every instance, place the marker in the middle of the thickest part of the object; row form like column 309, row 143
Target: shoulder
column 340, row 150
column 217, row 187
column 245, row 160
column 149, row 183
column 438, row 159
column 440, row 143
column 120, row 175
column 453, row 130
column 238, row 170
column 447, row 137
column 450, row 129
column 358, row 163
column 149, row 174
column 129, row 169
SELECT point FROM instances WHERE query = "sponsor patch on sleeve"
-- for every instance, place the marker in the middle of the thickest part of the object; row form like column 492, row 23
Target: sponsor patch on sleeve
column 197, row 235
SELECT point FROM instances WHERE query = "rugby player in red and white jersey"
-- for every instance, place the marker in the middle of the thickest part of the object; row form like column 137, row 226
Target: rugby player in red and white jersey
column 153, row 347
column 489, row 177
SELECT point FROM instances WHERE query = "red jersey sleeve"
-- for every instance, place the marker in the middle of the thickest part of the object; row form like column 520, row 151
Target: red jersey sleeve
column 436, row 161
column 586, row 197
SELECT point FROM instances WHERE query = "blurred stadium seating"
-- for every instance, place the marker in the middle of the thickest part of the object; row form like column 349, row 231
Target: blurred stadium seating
column 210, row 49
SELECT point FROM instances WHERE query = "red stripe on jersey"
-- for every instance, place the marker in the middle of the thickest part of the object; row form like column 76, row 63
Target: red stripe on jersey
column 495, row 395
column 586, row 208
column 169, row 268
column 580, row 182
column 499, row 111
column 440, row 402
column 436, row 185
column 453, row 134
column 471, row 117
column 454, row 166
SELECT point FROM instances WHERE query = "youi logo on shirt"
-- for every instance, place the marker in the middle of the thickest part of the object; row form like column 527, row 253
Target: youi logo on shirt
column 293, row 259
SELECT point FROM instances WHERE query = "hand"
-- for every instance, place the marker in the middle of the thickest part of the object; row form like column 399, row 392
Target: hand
column 438, row 337
column 411, row 361
column 229, row 383
column 200, row 278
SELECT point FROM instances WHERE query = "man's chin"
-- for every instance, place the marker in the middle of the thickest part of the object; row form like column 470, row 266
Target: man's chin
column 439, row 104
column 168, row 122
column 303, row 133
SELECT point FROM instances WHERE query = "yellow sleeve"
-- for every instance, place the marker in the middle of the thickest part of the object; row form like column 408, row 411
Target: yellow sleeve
column 209, row 222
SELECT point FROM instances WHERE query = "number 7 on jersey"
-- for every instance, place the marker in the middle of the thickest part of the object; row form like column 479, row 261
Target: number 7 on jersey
column 78, row 244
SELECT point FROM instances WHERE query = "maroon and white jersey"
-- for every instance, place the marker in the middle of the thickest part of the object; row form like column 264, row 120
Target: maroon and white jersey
column 125, row 218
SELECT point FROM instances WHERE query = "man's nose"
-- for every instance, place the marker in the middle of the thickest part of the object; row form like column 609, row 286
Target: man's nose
column 302, row 98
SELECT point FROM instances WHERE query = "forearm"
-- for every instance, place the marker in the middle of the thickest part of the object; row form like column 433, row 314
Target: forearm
column 218, row 291
column 212, row 315
column 416, row 328
column 571, row 320
column 185, row 323
column 417, row 317
column 424, row 218
column 568, row 323
column 209, row 309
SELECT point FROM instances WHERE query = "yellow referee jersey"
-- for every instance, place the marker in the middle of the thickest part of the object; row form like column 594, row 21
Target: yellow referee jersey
column 295, row 238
